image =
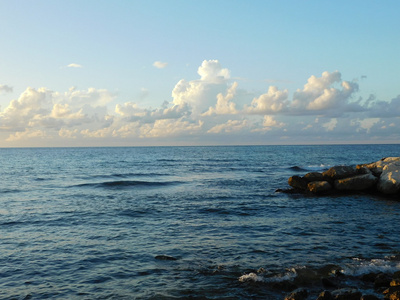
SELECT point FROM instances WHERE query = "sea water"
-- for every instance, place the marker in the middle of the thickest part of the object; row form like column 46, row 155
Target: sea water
column 182, row 222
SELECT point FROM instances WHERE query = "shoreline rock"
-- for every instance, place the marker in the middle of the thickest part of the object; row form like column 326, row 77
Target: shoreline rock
column 382, row 176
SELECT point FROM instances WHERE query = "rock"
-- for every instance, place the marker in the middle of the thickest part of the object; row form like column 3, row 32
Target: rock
column 377, row 167
column 392, row 293
column 319, row 187
column 340, row 172
column 299, row 294
column 297, row 182
column 165, row 257
column 356, row 183
column 313, row 176
column 389, row 181
column 395, row 282
column 396, row 275
column 382, row 280
column 284, row 286
column 369, row 297
column 346, row 294
column 328, row 283
column 325, row 295
column 383, row 176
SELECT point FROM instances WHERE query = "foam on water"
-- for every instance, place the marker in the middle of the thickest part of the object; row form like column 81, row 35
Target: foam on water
column 366, row 266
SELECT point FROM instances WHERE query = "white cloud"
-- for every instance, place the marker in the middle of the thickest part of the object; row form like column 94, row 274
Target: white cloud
column 224, row 106
column 203, row 109
column 27, row 134
column 274, row 101
column 211, row 70
column 230, row 126
column 160, row 65
column 73, row 65
column 201, row 94
column 320, row 96
column 169, row 127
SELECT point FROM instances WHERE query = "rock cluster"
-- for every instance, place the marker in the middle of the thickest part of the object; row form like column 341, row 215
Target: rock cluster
column 384, row 285
column 382, row 176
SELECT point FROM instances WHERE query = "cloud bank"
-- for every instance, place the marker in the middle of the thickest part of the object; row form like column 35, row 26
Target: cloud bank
column 211, row 109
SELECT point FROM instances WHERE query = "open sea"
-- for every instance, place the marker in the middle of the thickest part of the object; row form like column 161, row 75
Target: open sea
column 184, row 222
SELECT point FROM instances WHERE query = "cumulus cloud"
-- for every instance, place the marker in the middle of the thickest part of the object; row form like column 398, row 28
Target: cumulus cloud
column 42, row 110
column 5, row 88
column 211, row 70
column 160, row 65
column 74, row 65
column 274, row 101
column 224, row 106
column 200, row 94
column 326, row 95
column 208, row 106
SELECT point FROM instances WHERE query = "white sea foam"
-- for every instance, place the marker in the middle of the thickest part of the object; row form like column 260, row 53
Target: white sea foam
column 362, row 266
column 289, row 275
column 250, row 277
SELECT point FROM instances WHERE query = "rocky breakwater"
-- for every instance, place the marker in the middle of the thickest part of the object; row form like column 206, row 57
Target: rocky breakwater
column 382, row 176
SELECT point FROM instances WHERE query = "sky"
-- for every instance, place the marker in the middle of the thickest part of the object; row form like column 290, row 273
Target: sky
column 221, row 72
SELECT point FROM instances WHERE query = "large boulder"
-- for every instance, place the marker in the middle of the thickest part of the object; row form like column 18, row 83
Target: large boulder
column 319, row 187
column 339, row 172
column 299, row 294
column 313, row 176
column 377, row 167
column 389, row 181
column 297, row 182
column 356, row 183
column 346, row 294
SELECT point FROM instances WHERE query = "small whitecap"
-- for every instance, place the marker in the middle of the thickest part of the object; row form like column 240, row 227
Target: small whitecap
column 250, row 277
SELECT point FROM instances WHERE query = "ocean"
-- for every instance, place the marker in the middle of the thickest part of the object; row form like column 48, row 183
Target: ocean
column 184, row 222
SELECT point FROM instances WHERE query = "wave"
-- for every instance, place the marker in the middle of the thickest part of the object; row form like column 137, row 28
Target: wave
column 319, row 168
column 127, row 183
column 122, row 175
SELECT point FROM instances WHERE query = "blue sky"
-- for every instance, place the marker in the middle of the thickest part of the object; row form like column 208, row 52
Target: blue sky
column 126, row 73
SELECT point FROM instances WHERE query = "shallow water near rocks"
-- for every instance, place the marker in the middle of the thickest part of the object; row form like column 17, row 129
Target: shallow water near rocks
column 179, row 222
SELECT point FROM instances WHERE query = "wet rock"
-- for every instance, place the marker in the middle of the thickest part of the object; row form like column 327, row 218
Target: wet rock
column 299, row 294
column 370, row 277
column 319, row 187
column 328, row 283
column 389, row 181
column 297, row 182
column 286, row 286
column 395, row 282
column 339, row 172
column 392, row 293
column 165, row 257
column 325, row 295
column 369, row 297
column 346, row 294
column 382, row 280
column 313, row 176
column 377, row 167
column 356, row 183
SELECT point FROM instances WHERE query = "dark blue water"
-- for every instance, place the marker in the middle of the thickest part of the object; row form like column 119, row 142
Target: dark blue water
column 180, row 222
